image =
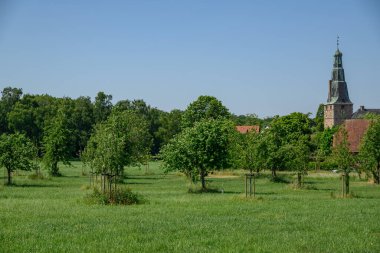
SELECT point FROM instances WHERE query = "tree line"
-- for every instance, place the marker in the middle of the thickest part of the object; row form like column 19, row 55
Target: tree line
column 196, row 141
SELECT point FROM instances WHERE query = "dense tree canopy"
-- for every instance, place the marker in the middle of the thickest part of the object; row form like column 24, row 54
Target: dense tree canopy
column 200, row 149
column 205, row 107
column 9, row 97
column 36, row 117
column 284, row 132
column 102, row 106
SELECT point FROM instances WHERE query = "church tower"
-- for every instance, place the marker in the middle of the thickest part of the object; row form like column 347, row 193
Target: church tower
column 338, row 107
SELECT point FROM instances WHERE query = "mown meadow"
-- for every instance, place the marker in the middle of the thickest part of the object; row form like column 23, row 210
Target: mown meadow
column 51, row 215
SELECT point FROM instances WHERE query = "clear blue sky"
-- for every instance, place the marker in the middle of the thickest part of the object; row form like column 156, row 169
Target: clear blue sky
column 258, row 56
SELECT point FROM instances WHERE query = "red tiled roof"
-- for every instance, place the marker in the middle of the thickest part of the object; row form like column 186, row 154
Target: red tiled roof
column 246, row 129
column 356, row 128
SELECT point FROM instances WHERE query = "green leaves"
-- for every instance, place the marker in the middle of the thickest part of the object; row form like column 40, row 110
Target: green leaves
column 341, row 154
column 16, row 152
column 57, row 143
column 121, row 140
column 205, row 107
column 200, row 149
column 370, row 151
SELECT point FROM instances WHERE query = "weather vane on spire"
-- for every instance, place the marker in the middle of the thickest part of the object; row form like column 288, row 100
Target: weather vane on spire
column 337, row 42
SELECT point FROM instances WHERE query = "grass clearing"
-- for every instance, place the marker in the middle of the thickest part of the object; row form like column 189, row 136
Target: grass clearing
column 50, row 215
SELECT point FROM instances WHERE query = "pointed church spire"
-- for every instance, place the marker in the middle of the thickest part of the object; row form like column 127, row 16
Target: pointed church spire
column 338, row 92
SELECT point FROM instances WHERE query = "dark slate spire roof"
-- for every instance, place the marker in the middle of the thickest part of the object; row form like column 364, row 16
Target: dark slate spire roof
column 338, row 88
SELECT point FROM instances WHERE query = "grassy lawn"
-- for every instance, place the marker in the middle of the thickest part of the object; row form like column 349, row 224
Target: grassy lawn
column 50, row 216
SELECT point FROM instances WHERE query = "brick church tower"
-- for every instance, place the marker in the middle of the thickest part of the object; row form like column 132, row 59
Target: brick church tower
column 338, row 107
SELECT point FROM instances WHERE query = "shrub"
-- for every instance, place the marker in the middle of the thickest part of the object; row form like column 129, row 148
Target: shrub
column 120, row 196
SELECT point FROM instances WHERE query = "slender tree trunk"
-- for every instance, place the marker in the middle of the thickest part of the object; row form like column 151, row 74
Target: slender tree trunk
column 347, row 183
column 378, row 173
column 299, row 179
column 9, row 177
column 203, row 180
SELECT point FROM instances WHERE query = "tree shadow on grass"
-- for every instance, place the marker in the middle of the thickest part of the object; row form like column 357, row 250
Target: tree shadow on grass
column 34, row 185
column 265, row 193
column 142, row 177
column 211, row 190
column 127, row 183
column 281, row 180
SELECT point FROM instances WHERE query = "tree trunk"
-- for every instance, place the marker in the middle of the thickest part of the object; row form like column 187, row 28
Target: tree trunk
column 347, row 183
column 378, row 173
column 299, row 179
column 274, row 175
column 9, row 177
column 203, row 180
column 54, row 169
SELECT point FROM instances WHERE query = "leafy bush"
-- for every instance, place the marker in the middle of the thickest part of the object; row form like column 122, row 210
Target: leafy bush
column 120, row 196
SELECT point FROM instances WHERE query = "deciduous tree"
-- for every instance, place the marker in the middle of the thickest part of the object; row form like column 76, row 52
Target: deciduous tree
column 57, row 143
column 200, row 149
column 123, row 139
column 16, row 152
column 343, row 158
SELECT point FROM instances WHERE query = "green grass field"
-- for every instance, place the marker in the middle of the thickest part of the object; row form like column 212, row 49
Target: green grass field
column 50, row 215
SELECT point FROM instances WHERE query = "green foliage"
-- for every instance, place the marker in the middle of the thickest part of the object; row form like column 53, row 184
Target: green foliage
column 341, row 152
column 205, row 107
column 57, row 143
column 151, row 115
column 200, row 149
column 121, row 140
column 9, row 97
column 296, row 158
column 82, row 119
column 119, row 196
column 247, row 151
column 322, row 143
column 291, row 128
column 370, row 151
column 343, row 158
column 319, row 118
column 372, row 116
column 102, row 106
column 16, row 153
column 170, row 125
column 246, row 120
column 324, row 140
column 31, row 115
column 287, row 132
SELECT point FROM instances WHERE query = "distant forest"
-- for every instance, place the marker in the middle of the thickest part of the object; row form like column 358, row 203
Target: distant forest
column 32, row 115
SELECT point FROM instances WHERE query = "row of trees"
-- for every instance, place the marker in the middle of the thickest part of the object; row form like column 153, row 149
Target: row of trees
column 36, row 115
column 60, row 128
column 293, row 142
column 196, row 141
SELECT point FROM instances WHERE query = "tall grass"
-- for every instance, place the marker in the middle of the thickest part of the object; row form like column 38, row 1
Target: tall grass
column 50, row 215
